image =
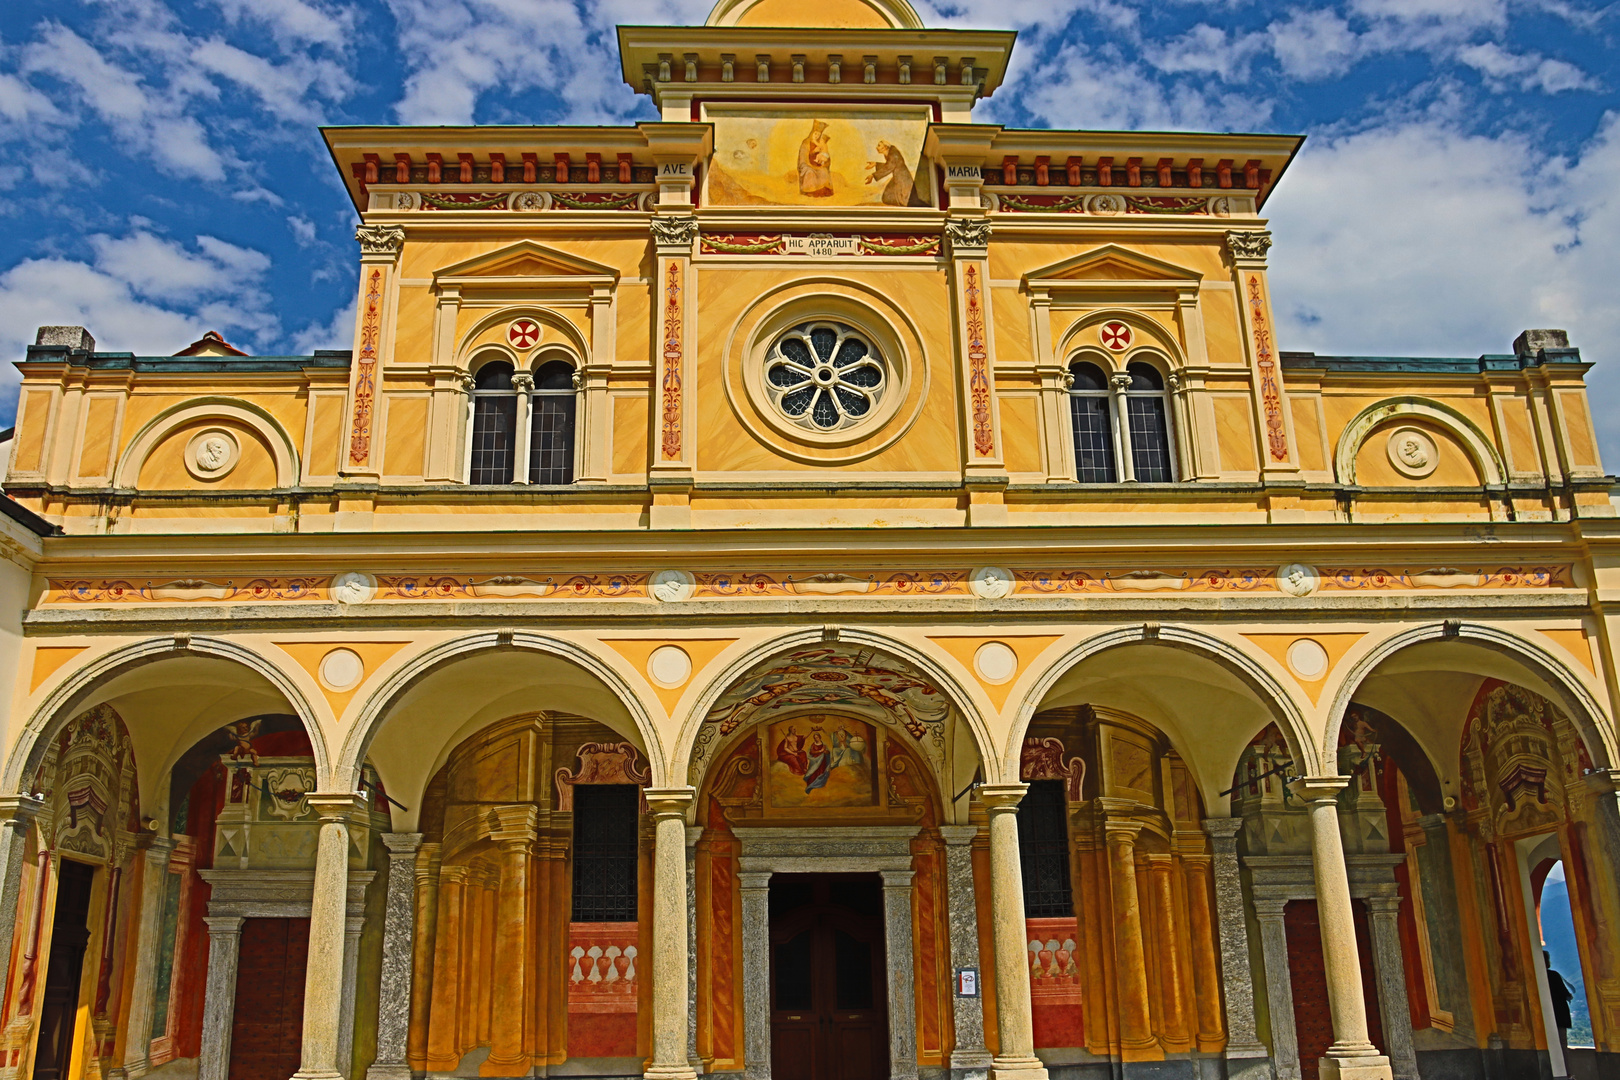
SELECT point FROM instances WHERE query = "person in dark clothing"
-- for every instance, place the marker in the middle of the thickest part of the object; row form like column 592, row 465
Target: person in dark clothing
column 1562, row 995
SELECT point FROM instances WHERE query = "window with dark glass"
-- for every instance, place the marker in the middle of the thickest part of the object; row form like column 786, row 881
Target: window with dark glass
column 605, row 826
column 1093, row 426
column 494, row 425
column 551, row 430
column 1043, row 850
column 1147, row 418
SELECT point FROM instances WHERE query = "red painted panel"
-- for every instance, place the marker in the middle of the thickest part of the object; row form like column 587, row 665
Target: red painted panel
column 1054, row 982
column 267, row 1033
column 603, row 983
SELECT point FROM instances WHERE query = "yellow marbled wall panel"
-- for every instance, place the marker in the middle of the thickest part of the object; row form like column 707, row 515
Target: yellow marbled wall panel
column 1191, row 507
column 1223, row 330
column 1308, row 433
column 36, row 411
column 165, row 470
column 326, row 435
column 1010, row 312
column 945, row 502
column 407, row 431
column 1520, row 438
column 1014, row 259
column 724, row 442
column 629, row 434
column 1021, row 432
column 633, row 332
column 1582, row 443
column 413, row 326
column 519, row 504
column 1234, row 428
column 1455, row 468
column 95, row 455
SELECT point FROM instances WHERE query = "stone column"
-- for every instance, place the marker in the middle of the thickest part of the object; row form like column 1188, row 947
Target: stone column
column 219, row 997
column 353, row 926
column 1136, row 1041
column 446, row 1016
column 902, row 974
column 508, row 1054
column 754, row 889
column 969, row 1058
column 426, row 931
column 1383, row 926
column 1352, row 1055
column 1201, row 927
column 1279, row 986
column 1118, row 383
column 669, row 960
column 693, row 834
column 16, row 813
column 395, row 993
column 1172, row 976
column 1242, row 1040
column 523, row 383
column 1016, row 1058
column 328, row 929
column 148, row 932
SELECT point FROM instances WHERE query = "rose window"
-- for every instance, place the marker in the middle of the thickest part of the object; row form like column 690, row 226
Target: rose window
column 824, row 376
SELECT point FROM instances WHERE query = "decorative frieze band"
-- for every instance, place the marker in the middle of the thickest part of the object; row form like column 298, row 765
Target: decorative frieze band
column 824, row 245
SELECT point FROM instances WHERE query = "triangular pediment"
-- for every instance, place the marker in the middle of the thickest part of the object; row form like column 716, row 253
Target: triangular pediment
column 524, row 259
column 1112, row 263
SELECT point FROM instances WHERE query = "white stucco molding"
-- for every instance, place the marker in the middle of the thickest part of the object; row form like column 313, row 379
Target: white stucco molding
column 369, row 719
column 66, row 699
column 1595, row 725
column 924, row 662
column 128, row 472
column 1486, row 459
column 1283, row 708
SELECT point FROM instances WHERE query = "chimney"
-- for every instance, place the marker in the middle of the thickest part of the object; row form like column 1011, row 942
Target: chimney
column 1531, row 342
column 75, row 338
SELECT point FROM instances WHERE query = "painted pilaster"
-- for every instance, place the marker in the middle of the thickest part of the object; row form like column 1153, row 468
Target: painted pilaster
column 328, row 933
column 426, row 883
column 149, row 931
column 396, row 990
column 1246, row 251
column 982, row 466
column 380, row 246
column 1015, row 1059
column 514, row 836
column 16, row 813
column 1352, row 1055
column 670, row 960
column 902, row 973
column 756, row 941
column 693, row 834
column 1279, row 987
column 1206, row 978
column 219, row 996
column 969, row 1058
column 1383, row 927
column 1136, row 1041
column 1173, row 975
column 675, row 413
column 1237, row 980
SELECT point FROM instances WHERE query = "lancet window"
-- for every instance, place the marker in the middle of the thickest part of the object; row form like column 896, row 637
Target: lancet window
column 1121, row 425
column 518, row 416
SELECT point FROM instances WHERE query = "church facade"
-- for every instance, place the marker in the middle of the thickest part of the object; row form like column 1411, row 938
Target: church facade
column 808, row 588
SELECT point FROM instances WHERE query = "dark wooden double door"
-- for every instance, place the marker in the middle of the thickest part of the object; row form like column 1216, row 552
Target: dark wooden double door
column 829, row 1007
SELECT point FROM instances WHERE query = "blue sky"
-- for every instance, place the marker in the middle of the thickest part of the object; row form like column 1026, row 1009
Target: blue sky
column 161, row 175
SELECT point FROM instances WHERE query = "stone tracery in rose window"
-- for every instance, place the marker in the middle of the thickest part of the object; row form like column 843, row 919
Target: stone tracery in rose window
column 825, row 376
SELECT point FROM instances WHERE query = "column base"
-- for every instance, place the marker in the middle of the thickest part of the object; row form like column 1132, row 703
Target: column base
column 682, row 1071
column 1022, row 1068
column 1371, row 1067
column 317, row 1074
column 381, row 1071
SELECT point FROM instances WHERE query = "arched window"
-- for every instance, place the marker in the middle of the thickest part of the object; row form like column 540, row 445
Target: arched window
column 1093, row 426
column 1147, row 418
column 551, row 430
column 494, row 425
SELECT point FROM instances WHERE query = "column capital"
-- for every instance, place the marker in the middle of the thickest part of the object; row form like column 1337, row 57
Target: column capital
column 224, row 925
column 1159, row 861
column 897, row 879
column 694, row 833
column 1121, row 832
column 341, row 807
column 23, row 808
column 1269, row 907
column 958, row 835
column 1001, row 798
column 1223, row 828
column 1389, row 905
column 753, row 880
column 401, row 843
column 516, row 823
column 668, row 802
column 1318, row 789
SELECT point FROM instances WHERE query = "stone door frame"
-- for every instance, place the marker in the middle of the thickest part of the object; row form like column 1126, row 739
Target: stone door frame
column 852, row 849
column 238, row 895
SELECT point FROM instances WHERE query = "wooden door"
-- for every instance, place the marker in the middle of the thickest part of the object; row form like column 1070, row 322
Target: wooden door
column 268, row 1028
column 59, row 1000
column 829, row 1010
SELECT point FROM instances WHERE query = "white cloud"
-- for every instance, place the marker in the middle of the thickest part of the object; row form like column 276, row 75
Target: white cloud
column 1471, row 240
column 294, row 20
column 303, row 229
column 336, row 333
column 162, row 269
column 1207, row 50
column 1314, row 44
column 1531, row 71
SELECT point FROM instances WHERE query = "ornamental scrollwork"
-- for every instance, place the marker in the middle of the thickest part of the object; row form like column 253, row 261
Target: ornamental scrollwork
column 1248, row 245
column 676, row 232
column 380, row 239
column 968, row 236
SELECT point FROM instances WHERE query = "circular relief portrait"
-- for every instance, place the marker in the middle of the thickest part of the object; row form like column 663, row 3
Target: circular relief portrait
column 212, row 453
column 825, row 376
